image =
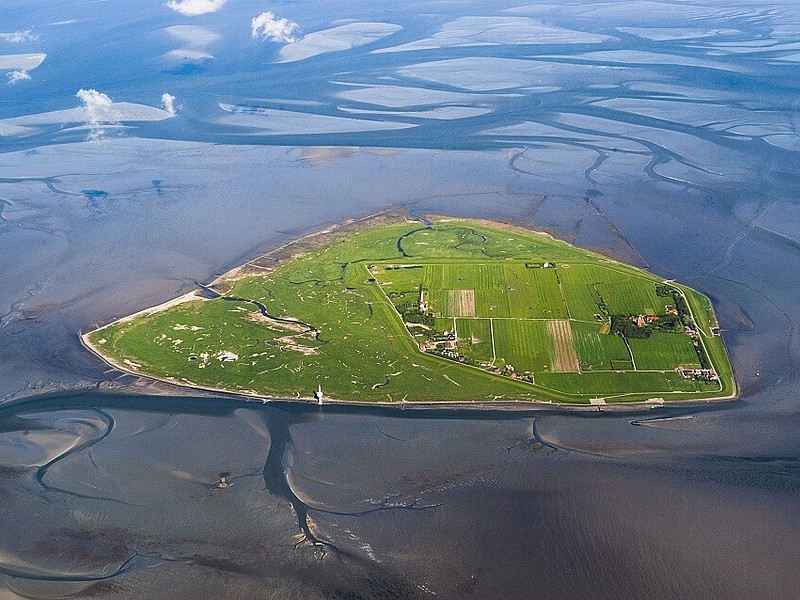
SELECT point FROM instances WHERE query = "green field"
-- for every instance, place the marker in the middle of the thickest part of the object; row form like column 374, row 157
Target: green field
column 667, row 351
column 475, row 339
column 524, row 344
column 599, row 351
column 501, row 291
column 403, row 312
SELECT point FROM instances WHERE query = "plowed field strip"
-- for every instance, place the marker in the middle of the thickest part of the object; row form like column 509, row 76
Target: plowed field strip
column 461, row 303
column 566, row 357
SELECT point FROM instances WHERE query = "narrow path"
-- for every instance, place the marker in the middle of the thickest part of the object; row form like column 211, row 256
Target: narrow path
column 630, row 352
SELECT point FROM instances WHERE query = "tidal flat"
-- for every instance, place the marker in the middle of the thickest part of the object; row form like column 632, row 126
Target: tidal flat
column 666, row 138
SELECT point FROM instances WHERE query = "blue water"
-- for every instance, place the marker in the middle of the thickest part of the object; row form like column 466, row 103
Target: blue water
column 661, row 133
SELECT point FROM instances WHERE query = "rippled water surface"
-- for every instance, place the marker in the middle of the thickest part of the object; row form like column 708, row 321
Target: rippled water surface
column 661, row 133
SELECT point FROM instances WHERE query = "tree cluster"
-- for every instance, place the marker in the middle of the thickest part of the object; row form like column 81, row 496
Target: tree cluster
column 411, row 314
column 623, row 325
column 669, row 324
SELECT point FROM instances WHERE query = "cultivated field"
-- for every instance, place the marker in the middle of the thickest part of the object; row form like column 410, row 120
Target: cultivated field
column 566, row 358
column 663, row 351
column 460, row 303
column 475, row 338
column 458, row 311
column 524, row 344
column 599, row 351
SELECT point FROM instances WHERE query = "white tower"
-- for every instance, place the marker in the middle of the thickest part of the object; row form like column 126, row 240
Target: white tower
column 318, row 395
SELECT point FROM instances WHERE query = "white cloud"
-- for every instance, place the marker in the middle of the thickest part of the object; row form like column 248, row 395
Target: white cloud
column 269, row 27
column 168, row 102
column 192, row 8
column 193, row 36
column 195, row 44
column 17, row 76
column 17, row 37
column 98, row 109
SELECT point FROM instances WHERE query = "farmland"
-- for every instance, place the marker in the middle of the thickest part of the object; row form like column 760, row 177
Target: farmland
column 455, row 310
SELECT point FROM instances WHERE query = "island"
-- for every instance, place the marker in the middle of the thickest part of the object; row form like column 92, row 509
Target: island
column 397, row 310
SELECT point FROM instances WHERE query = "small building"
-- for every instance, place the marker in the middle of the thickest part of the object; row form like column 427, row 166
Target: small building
column 705, row 374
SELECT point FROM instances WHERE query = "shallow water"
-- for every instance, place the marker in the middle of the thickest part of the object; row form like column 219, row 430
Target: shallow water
column 665, row 138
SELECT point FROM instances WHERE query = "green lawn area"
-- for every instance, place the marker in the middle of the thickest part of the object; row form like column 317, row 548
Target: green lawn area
column 578, row 282
column 534, row 293
column 524, row 344
column 356, row 351
column 624, row 290
column 631, row 295
column 664, row 351
column 335, row 317
column 475, row 338
column 501, row 290
column 599, row 351
column 614, row 384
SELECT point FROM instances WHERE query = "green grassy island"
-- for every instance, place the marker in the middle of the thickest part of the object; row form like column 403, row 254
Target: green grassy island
column 393, row 310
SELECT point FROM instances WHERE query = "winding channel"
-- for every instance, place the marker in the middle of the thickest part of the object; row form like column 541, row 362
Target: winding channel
column 42, row 471
column 212, row 295
column 33, row 573
column 276, row 482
